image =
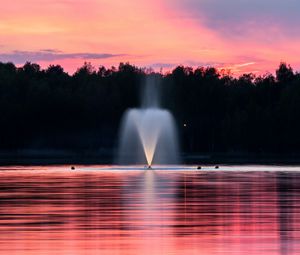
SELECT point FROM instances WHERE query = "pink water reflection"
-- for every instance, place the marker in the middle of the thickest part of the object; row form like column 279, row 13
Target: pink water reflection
column 58, row 211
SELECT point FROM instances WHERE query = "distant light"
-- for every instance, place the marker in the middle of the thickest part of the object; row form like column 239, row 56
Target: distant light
column 185, row 125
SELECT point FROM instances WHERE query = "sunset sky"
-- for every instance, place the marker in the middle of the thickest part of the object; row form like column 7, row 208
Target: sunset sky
column 241, row 35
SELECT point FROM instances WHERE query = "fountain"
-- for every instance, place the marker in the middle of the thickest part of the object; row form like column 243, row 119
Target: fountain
column 148, row 134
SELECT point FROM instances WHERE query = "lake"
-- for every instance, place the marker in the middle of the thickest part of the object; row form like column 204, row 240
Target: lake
column 109, row 210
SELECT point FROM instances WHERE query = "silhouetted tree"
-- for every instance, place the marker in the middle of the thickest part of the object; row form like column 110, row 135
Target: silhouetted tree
column 215, row 112
column 284, row 73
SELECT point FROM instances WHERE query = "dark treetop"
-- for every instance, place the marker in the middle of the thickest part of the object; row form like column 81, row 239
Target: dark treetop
column 215, row 112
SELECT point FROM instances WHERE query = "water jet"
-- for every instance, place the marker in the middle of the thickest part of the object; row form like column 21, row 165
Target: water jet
column 148, row 134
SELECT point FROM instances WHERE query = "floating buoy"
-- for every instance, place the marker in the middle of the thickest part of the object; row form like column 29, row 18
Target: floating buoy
column 216, row 167
column 72, row 167
column 198, row 167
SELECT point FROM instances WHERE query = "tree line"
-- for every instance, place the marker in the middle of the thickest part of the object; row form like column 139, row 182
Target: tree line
column 214, row 111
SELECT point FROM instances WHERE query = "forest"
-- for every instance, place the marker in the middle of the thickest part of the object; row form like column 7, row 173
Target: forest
column 215, row 112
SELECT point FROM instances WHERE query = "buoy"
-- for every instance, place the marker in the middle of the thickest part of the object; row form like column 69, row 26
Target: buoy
column 72, row 167
column 198, row 167
column 149, row 167
column 216, row 167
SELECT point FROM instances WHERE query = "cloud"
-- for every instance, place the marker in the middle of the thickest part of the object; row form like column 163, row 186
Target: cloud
column 237, row 18
column 162, row 65
column 20, row 57
column 203, row 64
column 245, row 64
column 188, row 63
column 51, row 51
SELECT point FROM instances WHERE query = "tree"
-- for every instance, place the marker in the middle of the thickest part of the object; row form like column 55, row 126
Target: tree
column 284, row 73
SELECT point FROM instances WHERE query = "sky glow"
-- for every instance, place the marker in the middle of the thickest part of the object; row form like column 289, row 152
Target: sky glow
column 240, row 35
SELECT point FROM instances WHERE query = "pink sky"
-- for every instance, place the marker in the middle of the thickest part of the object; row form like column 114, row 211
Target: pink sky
column 156, row 33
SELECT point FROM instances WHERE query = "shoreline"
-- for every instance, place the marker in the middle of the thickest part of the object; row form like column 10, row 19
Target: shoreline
column 64, row 158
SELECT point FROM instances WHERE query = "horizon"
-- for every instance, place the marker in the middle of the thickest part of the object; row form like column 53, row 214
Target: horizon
column 243, row 37
column 149, row 70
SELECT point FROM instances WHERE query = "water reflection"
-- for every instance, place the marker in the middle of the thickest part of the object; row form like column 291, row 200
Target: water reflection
column 54, row 210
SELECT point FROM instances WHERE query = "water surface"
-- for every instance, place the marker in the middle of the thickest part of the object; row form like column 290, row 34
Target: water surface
column 102, row 210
